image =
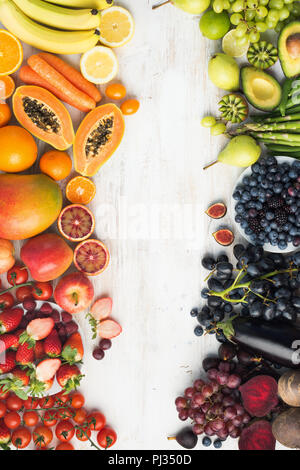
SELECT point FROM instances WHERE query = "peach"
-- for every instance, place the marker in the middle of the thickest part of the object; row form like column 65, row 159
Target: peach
column 47, row 256
column 7, row 259
column 74, row 293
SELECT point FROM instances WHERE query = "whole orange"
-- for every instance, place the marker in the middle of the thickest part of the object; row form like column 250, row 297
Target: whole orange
column 5, row 114
column 18, row 149
column 56, row 164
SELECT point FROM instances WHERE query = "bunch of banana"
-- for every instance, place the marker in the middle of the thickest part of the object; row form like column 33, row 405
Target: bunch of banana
column 33, row 21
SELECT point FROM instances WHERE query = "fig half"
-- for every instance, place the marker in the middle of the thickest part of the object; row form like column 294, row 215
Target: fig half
column 224, row 237
column 217, row 210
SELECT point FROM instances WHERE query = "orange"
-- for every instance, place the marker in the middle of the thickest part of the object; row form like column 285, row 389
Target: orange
column 91, row 257
column 18, row 149
column 7, row 87
column 5, row 114
column 80, row 190
column 11, row 53
column 57, row 165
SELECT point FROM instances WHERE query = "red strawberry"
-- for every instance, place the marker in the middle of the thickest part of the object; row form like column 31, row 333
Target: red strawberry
column 102, row 308
column 109, row 329
column 36, row 330
column 16, row 383
column 4, row 433
column 39, row 352
column 8, row 340
column 8, row 362
column 52, row 344
column 10, row 319
column 69, row 377
column 73, row 349
column 25, row 354
column 21, row 375
column 47, row 369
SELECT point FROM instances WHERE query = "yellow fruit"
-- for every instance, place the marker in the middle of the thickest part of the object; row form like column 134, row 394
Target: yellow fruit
column 117, row 27
column 11, row 53
column 18, row 149
column 99, row 65
column 57, row 165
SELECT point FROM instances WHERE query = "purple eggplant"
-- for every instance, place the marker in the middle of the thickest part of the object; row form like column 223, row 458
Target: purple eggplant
column 274, row 341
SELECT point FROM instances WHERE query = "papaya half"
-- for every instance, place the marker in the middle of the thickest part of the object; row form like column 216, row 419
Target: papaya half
column 29, row 204
column 97, row 138
column 44, row 116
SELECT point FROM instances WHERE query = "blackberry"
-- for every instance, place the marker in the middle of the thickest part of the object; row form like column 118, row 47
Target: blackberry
column 261, row 214
column 275, row 202
column 281, row 217
column 254, row 225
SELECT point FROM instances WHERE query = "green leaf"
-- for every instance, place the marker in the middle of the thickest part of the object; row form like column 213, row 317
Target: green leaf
column 69, row 354
column 94, row 324
column 227, row 327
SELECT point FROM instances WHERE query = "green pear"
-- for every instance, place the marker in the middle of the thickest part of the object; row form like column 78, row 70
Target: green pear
column 224, row 72
column 195, row 7
column 242, row 151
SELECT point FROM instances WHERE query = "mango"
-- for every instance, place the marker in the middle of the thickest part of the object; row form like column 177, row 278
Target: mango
column 29, row 204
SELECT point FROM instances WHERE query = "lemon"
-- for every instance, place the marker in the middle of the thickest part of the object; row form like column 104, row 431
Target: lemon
column 116, row 27
column 231, row 46
column 99, row 65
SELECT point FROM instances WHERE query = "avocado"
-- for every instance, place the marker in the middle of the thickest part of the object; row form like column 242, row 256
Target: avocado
column 289, row 49
column 260, row 88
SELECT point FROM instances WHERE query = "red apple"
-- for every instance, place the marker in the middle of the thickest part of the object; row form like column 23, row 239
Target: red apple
column 47, row 256
column 74, row 293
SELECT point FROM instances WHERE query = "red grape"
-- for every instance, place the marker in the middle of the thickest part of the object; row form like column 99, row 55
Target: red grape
column 183, row 415
column 237, row 421
column 234, row 381
column 198, row 384
column 212, row 374
column 189, row 392
column 198, row 399
column 229, row 412
column 180, row 403
column 222, row 378
column 198, row 429
column 207, row 391
column 199, row 417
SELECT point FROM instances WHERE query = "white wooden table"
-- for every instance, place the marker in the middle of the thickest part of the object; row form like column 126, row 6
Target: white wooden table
column 149, row 208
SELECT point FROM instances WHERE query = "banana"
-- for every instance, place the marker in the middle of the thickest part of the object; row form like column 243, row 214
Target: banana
column 59, row 17
column 42, row 37
column 99, row 4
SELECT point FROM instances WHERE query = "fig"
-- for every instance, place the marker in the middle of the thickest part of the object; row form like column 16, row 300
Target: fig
column 257, row 436
column 224, row 72
column 259, row 395
column 289, row 387
column 286, row 428
column 224, row 236
column 186, row 438
column 262, row 55
column 233, row 108
column 217, row 210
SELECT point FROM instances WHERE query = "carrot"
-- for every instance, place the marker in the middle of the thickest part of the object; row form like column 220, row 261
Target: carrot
column 73, row 75
column 71, row 94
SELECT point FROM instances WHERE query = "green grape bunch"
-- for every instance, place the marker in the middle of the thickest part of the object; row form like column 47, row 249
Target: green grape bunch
column 253, row 17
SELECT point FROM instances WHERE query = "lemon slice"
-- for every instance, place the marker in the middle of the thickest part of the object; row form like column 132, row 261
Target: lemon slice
column 231, row 47
column 99, row 65
column 116, row 27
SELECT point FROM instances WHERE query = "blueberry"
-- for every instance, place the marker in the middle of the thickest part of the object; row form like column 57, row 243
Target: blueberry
column 198, row 330
column 217, row 444
column 194, row 312
column 270, row 215
column 204, row 293
column 206, row 441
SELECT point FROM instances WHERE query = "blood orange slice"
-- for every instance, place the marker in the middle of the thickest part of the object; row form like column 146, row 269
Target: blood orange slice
column 91, row 257
column 76, row 222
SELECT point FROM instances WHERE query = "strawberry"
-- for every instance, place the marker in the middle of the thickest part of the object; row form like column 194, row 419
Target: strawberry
column 25, row 354
column 69, row 377
column 4, row 433
column 39, row 352
column 22, row 375
column 8, row 340
column 8, row 362
column 36, row 330
column 10, row 319
column 16, row 383
column 109, row 329
column 47, row 369
column 102, row 308
column 52, row 344
column 73, row 349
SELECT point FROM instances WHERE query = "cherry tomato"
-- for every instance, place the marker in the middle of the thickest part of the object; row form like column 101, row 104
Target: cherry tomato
column 64, row 446
column 64, row 431
column 30, row 418
column 6, row 301
column 47, row 402
column 96, row 421
column 130, row 107
column 77, row 400
column 61, row 398
column 106, row 438
column 12, row 420
column 21, row 437
column 2, row 409
column 116, row 91
column 23, row 293
column 42, row 290
column 65, row 413
column 31, row 403
column 3, row 395
column 50, row 418
column 80, row 416
column 14, row 403
column 83, row 434
column 42, row 436
column 17, row 275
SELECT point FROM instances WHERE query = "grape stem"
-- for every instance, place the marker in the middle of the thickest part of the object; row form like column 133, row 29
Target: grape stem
column 154, row 7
